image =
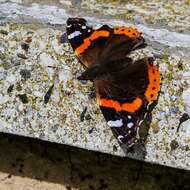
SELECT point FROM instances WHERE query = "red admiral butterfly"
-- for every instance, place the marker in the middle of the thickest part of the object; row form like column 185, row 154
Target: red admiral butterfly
column 124, row 88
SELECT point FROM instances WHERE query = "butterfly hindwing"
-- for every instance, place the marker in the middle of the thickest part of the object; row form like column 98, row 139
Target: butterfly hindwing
column 124, row 125
column 126, row 105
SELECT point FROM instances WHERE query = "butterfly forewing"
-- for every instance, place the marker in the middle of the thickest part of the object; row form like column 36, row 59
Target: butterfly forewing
column 92, row 46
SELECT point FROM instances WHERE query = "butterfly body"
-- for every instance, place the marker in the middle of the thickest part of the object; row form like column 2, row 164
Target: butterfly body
column 124, row 88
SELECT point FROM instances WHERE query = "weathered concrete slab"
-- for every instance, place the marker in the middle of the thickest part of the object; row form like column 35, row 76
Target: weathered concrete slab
column 34, row 64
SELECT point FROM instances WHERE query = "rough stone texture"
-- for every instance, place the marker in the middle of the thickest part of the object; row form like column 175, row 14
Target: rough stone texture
column 40, row 96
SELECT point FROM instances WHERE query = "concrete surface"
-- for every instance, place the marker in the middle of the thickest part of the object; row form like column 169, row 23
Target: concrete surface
column 34, row 64
column 27, row 164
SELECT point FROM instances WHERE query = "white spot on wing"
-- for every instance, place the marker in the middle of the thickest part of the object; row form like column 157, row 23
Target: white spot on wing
column 140, row 122
column 70, row 36
column 116, row 123
column 129, row 125
column 74, row 34
column 129, row 117
column 83, row 27
column 119, row 138
column 145, row 115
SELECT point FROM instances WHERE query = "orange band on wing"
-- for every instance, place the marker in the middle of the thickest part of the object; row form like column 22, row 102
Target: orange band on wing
column 131, row 32
column 87, row 42
column 153, row 88
column 129, row 107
